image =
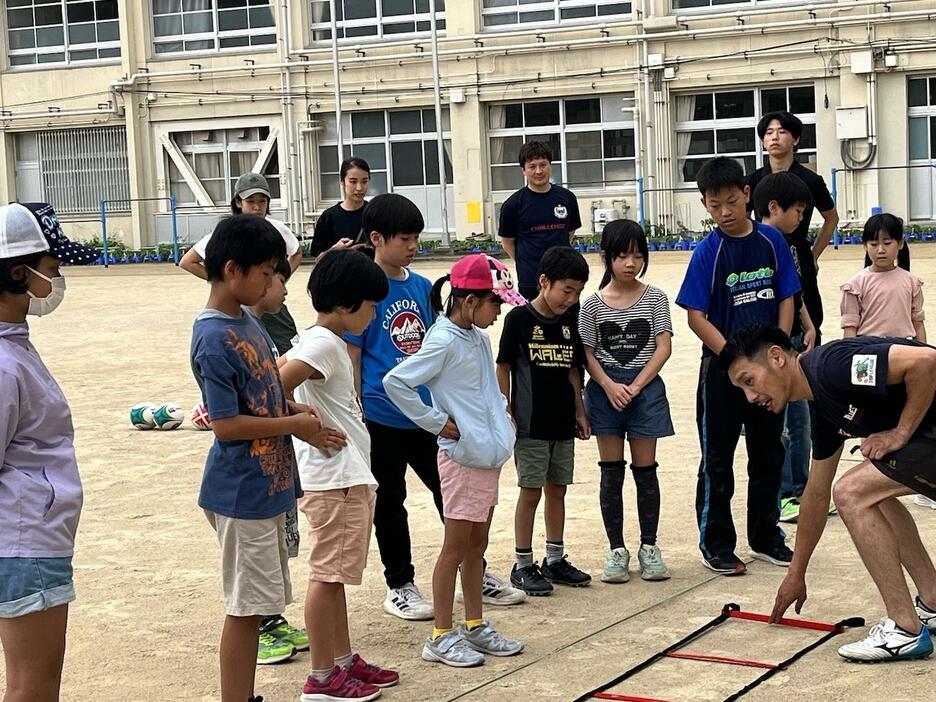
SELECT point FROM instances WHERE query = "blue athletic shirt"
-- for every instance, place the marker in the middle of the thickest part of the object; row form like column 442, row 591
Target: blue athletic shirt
column 537, row 221
column 235, row 370
column 737, row 281
column 396, row 333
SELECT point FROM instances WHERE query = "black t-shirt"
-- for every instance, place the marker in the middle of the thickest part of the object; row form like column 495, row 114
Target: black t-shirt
column 337, row 223
column 537, row 221
column 848, row 379
column 540, row 352
column 799, row 239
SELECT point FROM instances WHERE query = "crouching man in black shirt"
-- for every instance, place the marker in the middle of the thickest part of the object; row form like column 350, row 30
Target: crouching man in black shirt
column 881, row 390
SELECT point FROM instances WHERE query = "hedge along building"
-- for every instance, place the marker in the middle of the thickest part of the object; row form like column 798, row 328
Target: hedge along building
column 122, row 100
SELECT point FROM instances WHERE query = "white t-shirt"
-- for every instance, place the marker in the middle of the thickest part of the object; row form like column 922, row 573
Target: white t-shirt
column 335, row 397
column 292, row 243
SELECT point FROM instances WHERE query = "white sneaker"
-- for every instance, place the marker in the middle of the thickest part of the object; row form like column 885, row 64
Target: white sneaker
column 494, row 591
column 616, row 567
column 926, row 615
column 923, row 501
column 887, row 642
column 407, row 603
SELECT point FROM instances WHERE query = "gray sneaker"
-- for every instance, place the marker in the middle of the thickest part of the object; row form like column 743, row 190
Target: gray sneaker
column 452, row 649
column 485, row 639
column 651, row 562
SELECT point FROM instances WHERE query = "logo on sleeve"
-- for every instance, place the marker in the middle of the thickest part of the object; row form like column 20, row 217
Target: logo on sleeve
column 560, row 211
column 863, row 367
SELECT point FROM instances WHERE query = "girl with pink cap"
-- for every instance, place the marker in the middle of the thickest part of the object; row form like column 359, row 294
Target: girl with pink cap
column 476, row 437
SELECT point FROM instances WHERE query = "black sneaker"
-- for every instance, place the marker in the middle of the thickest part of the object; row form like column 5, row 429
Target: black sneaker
column 725, row 565
column 565, row 573
column 778, row 554
column 530, row 580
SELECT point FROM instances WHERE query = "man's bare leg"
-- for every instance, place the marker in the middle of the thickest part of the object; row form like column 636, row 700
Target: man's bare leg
column 858, row 495
column 913, row 554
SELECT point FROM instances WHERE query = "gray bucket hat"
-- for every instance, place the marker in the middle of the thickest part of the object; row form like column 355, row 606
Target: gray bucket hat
column 251, row 184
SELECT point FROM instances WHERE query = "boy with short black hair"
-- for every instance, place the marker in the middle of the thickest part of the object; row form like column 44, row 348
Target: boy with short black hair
column 780, row 134
column 779, row 201
column 536, row 217
column 337, row 483
column 741, row 273
column 539, row 370
column 250, row 479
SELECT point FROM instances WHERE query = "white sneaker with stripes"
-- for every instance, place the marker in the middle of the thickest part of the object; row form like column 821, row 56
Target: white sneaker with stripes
column 495, row 592
column 407, row 603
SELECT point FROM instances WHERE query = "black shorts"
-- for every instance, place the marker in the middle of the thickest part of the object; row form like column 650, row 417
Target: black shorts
column 914, row 466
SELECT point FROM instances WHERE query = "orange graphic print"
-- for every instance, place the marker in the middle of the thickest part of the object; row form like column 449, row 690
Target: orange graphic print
column 265, row 397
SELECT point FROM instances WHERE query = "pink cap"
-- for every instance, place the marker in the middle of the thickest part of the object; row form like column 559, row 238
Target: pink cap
column 481, row 272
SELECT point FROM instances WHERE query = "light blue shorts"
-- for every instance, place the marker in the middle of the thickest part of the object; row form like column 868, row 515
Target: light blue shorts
column 29, row 585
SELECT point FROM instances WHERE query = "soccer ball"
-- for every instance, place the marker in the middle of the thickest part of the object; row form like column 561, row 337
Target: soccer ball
column 141, row 416
column 200, row 417
column 168, row 416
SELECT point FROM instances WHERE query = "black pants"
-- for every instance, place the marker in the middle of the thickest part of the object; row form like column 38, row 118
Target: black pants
column 721, row 410
column 391, row 451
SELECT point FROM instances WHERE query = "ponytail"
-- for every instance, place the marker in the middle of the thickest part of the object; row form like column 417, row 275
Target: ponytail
column 605, row 279
column 435, row 295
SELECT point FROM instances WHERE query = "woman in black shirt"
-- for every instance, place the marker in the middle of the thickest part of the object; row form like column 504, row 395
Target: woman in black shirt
column 343, row 221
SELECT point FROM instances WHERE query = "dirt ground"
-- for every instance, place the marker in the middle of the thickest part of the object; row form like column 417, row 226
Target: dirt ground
column 148, row 615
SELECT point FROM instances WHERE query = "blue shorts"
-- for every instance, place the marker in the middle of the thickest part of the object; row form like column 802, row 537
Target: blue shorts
column 29, row 585
column 647, row 417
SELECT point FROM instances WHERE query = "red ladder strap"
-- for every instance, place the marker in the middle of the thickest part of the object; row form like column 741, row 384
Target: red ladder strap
column 720, row 659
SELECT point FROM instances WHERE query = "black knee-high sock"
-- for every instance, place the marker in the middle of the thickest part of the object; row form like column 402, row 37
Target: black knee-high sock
column 611, row 499
column 648, row 501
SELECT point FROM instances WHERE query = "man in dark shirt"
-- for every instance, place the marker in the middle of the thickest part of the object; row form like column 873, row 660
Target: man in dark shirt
column 780, row 133
column 881, row 390
column 536, row 217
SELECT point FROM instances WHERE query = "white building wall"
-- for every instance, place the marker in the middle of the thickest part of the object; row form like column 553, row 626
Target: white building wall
column 734, row 47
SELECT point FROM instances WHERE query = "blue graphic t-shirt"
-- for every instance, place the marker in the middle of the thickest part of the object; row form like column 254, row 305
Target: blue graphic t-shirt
column 737, row 281
column 396, row 333
column 237, row 374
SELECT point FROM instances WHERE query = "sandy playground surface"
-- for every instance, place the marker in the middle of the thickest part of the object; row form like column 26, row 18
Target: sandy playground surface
column 148, row 615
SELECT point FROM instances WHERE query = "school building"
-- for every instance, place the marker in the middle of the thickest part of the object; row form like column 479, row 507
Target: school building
column 134, row 102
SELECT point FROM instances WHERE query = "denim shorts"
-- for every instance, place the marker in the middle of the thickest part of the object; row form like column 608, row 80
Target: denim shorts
column 646, row 417
column 29, row 585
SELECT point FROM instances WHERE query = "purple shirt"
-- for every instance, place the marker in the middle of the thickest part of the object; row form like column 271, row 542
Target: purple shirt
column 40, row 491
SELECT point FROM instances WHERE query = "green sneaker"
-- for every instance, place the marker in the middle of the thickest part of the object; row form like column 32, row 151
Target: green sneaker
column 789, row 510
column 272, row 650
column 834, row 510
column 616, row 564
column 651, row 562
column 284, row 631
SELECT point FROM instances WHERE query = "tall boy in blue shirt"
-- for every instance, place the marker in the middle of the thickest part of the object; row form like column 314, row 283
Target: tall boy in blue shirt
column 250, row 480
column 741, row 273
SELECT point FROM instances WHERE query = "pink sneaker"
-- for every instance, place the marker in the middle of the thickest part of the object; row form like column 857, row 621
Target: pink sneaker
column 338, row 687
column 372, row 674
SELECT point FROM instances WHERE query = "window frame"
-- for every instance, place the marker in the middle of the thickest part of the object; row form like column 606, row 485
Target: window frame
column 925, row 112
column 715, row 125
column 330, row 171
column 378, row 20
column 563, row 128
column 228, row 177
column 556, row 6
column 743, row 4
column 65, row 48
column 216, row 35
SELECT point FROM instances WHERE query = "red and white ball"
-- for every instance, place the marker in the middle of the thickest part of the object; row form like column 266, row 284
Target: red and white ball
column 200, row 418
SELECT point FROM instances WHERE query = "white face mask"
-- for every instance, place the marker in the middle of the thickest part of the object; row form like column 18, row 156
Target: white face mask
column 39, row 306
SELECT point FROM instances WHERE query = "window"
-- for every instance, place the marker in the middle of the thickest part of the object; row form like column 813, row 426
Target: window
column 725, row 124
column 921, row 100
column 211, row 25
column 500, row 13
column 219, row 157
column 592, row 140
column 61, row 31
column 400, row 146
column 74, row 169
column 692, row 4
column 374, row 18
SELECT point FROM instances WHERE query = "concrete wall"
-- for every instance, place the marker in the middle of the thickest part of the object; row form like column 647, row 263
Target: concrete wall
column 723, row 48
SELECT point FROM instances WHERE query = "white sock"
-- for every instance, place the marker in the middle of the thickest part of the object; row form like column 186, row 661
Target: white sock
column 321, row 675
column 344, row 661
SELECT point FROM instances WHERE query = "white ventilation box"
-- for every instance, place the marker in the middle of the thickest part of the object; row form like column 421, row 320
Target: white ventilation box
column 862, row 62
column 851, row 123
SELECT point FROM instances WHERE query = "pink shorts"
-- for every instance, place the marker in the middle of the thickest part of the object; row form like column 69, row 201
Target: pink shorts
column 467, row 493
